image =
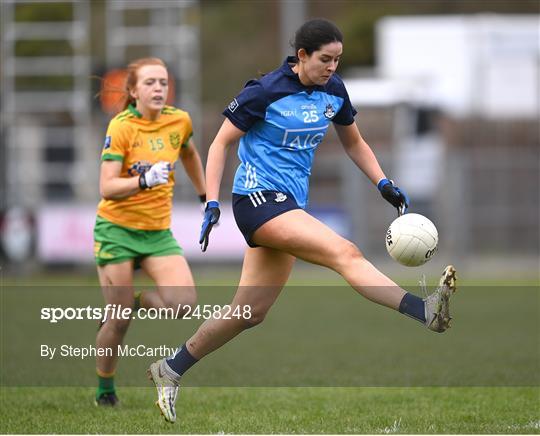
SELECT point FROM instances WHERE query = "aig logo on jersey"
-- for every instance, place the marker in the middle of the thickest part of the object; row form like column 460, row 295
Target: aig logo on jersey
column 329, row 112
column 233, row 105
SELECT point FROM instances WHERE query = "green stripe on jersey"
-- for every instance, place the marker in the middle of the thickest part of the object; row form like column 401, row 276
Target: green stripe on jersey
column 186, row 144
column 169, row 110
column 134, row 111
column 110, row 156
column 125, row 117
column 122, row 114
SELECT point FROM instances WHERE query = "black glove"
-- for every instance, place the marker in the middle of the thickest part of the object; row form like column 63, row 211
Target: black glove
column 395, row 196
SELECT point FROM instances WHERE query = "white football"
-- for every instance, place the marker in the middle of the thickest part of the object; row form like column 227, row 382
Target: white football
column 412, row 239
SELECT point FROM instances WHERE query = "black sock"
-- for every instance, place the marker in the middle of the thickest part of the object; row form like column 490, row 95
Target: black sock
column 413, row 306
column 181, row 361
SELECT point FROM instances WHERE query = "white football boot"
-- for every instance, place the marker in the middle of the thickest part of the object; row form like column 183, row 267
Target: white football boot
column 437, row 305
column 167, row 389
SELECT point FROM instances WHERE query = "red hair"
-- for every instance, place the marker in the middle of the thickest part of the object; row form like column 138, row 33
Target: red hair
column 131, row 77
column 116, row 85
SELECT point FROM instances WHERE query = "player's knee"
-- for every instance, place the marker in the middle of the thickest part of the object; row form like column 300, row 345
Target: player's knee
column 181, row 304
column 185, row 308
column 347, row 254
column 254, row 319
column 119, row 326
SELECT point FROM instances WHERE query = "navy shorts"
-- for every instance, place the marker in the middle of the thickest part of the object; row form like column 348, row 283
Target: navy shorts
column 253, row 210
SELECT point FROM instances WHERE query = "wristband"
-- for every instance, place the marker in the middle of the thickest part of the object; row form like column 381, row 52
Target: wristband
column 382, row 183
column 142, row 182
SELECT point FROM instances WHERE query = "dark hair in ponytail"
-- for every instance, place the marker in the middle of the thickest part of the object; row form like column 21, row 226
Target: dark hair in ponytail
column 313, row 34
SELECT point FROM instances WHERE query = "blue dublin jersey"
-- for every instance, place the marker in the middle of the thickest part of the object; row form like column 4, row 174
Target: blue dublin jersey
column 284, row 122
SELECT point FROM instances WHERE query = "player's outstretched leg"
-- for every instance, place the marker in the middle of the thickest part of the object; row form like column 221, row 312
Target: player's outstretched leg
column 264, row 273
column 167, row 388
column 438, row 303
column 303, row 236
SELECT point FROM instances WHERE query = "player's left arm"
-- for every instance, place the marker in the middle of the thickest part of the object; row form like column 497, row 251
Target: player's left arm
column 361, row 154
column 359, row 151
column 191, row 160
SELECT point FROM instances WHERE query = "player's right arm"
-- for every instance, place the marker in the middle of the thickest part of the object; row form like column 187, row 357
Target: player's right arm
column 114, row 187
column 227, row 135
column 251, row 105
column 111, row 185
column 241, row 114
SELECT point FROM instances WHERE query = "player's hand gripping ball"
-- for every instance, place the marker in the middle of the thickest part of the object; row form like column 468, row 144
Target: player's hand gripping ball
column 412, row 239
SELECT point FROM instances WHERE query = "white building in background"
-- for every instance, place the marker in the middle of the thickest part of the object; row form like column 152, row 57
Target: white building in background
column 465, row 65
column 484, row 67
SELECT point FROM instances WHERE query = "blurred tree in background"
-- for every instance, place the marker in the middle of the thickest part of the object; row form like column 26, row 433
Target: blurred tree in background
column 241, row 38
column 239, row 41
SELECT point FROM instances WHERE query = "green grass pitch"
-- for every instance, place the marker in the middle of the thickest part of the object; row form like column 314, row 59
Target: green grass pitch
column 278, row 410
column 483, row 377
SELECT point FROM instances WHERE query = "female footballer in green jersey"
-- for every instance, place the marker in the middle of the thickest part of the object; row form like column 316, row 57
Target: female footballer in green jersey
column 132, row 229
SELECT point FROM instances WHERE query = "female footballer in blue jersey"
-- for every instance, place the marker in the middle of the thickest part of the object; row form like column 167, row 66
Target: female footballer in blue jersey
column 280, row 120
